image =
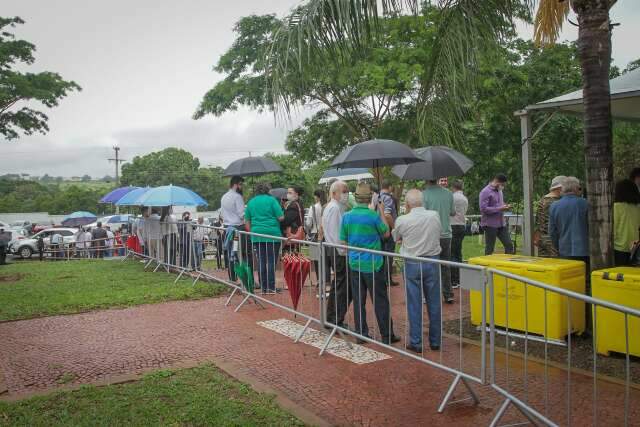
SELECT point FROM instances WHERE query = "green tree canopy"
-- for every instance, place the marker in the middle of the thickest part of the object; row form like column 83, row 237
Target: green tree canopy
column 18, row 88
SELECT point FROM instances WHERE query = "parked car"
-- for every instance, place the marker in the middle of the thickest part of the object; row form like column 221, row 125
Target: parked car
column 28, row 246
column 36, row 228
column 21, row 225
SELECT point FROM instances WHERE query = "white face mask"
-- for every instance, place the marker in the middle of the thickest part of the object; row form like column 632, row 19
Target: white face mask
column 344, row 198
column 291, row 197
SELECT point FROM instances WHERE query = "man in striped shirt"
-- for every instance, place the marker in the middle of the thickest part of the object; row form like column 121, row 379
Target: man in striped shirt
column 364, row 228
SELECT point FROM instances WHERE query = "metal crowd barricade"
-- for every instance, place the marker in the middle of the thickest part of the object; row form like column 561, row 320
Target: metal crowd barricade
column 87, row 249
column 425, row 286
column 567, row 392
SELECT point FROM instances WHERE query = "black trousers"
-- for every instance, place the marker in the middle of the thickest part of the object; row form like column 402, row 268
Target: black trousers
column 456, row 251
column 3, row 254
column 502, row 233
column 376, row 286
column 340, row 294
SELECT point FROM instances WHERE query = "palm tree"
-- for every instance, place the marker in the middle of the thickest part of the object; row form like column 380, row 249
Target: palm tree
column 594, row 51
column 338, row 29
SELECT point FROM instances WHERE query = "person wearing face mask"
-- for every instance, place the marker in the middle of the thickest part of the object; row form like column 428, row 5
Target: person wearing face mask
column 492, row 208
column 339, row 295
column 293, row 213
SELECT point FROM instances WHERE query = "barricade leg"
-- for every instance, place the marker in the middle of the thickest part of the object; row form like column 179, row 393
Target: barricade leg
column 452, row 388
column 198, row 276
column 231, row 296
column 306, row 325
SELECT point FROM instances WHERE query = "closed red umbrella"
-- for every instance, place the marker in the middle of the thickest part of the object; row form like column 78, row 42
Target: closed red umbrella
column 296, row 271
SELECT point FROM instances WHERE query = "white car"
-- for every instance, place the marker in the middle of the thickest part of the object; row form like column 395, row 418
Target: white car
column 27, row 247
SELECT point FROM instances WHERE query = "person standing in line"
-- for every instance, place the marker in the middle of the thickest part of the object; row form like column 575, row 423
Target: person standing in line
column 142, row 231
column 293, row 216
column 439, row 199
column 199, row 234
column 340, row 296
column 390, row 209
column 99, row 236
column 110, row 242
column 419, row 233
column 88, row 236
column 263, row 216
column 3, row 246
column 80, row 244
column 458, row 229
column 41, row 248
column 626, row 220
column 313, row 228
column 232, row 211
column 492, row 208
column 364, row 228
column 569, row 223
column 154, row 234
column 185, row 241
column 541, row 237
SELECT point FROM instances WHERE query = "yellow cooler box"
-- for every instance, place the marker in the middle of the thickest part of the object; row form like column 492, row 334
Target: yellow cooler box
column 619, row 285
column 555, row 272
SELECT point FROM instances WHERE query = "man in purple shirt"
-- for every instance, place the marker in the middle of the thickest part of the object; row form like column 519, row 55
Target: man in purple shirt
column 492, row 208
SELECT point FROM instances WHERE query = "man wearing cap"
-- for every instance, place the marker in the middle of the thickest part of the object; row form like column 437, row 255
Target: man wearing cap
column 541, row 237
column 364, row 228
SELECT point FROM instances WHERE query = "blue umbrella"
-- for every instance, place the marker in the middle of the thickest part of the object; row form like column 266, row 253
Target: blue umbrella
column 171, row 195
column 117, row 194
column 131, row 198
column 119, row 218
column 78, row 219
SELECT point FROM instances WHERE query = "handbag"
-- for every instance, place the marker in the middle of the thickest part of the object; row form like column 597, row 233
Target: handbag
column 299, row 233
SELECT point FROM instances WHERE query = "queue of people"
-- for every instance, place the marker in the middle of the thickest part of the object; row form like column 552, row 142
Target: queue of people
column 562, row 220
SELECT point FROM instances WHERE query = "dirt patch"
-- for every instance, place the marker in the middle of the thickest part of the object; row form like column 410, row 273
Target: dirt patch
column 581, row 353
column 9, row 278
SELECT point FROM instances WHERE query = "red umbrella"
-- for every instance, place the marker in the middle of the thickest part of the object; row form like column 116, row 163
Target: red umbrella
column 296, row 271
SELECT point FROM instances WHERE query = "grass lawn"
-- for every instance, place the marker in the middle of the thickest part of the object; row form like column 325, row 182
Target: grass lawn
column 196, row 396
column 34, row 289
column 473, row 246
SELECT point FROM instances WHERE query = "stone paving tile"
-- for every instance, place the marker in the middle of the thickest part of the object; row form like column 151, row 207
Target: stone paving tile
column 35, row 354
column 338, row 347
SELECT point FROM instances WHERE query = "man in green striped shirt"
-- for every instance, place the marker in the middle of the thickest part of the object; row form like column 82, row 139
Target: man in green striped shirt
column 364, row 228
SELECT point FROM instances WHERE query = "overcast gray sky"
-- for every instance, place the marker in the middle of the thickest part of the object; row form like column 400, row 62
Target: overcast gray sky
column 144, row 66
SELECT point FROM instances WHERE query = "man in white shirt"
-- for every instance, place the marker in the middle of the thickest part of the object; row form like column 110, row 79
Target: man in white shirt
column 339, row 295
column 419, row 232
column 232, row 204
column 458, row 227
column 154, row 234
column 232, row 213
column 199, row 234
column 109, row 242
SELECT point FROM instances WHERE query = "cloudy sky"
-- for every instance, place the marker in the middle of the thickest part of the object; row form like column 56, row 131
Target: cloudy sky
column 144, row 66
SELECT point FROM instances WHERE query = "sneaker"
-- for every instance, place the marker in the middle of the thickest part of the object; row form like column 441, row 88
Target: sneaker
column 394, row 283
column 449, row 300
column 455, row 286
column 415, row 348
column 435, row 347
column 392, row 340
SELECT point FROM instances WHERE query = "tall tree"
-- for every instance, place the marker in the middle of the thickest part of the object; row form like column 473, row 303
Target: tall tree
column 594, row 51
column 17, row 88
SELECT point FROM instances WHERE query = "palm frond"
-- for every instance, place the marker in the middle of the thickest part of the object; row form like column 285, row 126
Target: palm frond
column 548, row 22
column 332, row 31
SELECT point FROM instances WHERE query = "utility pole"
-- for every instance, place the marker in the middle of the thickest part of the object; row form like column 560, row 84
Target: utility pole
column 117, row 161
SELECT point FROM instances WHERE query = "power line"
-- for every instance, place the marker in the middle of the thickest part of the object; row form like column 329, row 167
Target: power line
column 117, row 161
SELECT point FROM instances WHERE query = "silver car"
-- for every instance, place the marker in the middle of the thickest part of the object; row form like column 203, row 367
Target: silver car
column 27, row 247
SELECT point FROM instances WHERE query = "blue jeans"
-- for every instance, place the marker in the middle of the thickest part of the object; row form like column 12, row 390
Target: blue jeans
column 198, row 252
column 267, row 253
column 423, row 279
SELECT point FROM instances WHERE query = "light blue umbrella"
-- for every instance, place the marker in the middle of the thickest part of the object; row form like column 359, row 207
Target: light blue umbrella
column 131, row 198
column 171, row 195
column 78, row 219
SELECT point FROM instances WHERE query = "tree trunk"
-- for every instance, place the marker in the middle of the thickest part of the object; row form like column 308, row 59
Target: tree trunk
column 594, row 50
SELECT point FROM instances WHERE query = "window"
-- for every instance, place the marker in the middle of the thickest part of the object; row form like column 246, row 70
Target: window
column 65, row 233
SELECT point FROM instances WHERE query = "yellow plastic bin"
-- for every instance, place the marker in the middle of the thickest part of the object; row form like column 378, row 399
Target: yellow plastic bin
column 619, row 285
column 560, row 273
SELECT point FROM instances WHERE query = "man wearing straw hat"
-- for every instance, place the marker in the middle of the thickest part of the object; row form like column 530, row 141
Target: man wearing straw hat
column 364, row 228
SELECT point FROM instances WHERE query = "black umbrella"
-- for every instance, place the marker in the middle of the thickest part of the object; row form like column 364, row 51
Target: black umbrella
column 374, row 154
column 438, row 162
column 278, row 193
column 252, row 166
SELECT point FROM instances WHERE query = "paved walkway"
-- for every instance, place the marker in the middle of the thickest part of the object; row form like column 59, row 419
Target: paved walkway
column 36, row 354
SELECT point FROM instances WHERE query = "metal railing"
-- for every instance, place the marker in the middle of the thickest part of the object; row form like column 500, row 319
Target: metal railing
column 543, row 390
column 525, row 363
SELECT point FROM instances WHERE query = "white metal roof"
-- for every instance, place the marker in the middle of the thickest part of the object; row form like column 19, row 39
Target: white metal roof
column 625, row 98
